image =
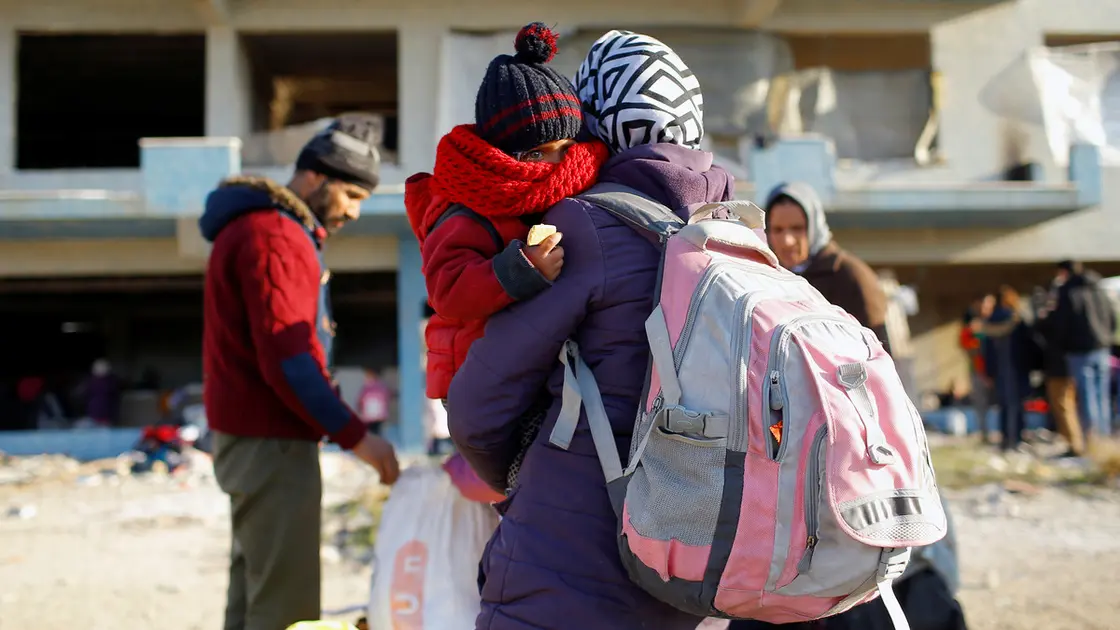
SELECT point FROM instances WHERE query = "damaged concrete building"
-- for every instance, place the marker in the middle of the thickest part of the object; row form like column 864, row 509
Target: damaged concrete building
column 959, row 144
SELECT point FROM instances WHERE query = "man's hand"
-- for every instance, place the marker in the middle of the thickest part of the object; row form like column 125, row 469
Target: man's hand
column 547, row 257
column 377, row 452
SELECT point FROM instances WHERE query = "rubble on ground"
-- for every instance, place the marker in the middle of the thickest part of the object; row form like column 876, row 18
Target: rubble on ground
column 21, row 470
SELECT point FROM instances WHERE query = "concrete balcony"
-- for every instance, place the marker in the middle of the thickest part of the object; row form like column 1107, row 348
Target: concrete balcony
column 175, row 176
column 925, row 204
column 83, row 229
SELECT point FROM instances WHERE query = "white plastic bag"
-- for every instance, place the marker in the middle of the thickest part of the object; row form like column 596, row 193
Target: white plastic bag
column 425, row 573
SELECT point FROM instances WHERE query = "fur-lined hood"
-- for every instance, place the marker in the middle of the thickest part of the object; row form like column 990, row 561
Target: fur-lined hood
column 240, row 194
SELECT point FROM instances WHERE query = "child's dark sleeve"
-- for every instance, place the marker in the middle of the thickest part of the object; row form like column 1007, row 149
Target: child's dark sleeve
column 467, row 279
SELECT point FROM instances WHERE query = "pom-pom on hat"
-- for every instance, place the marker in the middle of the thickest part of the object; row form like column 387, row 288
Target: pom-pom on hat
column 522, row 102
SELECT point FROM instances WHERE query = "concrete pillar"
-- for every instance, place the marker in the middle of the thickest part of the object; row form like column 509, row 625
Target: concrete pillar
column 229, row 88
column 973, row 54
column 418, row 60
column 8, row 99
column 411, row 294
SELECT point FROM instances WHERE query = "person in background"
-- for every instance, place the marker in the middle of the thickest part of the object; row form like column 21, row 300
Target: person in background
column 103, row 394
column 29, row 393
column 1083, row 324
column 972, row 342
column 1038, row 305
column 1114, row 363
column 1061, row 388
column 434, row 411
column 267, row 339
column 1114, row 351
column 1009, row 363
column 373, row 402
column 797, row 232
column 33, row 397
column 435, row 423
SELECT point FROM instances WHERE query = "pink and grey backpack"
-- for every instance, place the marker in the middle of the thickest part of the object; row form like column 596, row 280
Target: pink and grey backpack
column 778, row 469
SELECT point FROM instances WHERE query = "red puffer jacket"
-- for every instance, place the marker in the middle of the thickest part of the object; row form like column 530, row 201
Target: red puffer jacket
column 462, row 263
column 472, row 254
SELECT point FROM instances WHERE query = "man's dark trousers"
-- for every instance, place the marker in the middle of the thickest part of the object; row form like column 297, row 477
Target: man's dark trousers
column 275, row 488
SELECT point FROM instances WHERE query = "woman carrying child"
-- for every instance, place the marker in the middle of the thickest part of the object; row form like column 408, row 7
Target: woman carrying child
column 554, row 562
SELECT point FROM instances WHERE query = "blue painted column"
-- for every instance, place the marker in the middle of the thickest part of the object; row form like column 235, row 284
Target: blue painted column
column 411, row 294
column 1085, row 172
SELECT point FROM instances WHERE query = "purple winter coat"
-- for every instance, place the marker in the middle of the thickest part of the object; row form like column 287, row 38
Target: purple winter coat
column 553, row 562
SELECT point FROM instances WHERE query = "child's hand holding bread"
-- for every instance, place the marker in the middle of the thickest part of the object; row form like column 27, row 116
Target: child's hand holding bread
column 543, row 250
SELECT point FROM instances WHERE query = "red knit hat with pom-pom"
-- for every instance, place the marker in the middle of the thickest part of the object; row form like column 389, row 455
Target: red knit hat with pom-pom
column 522, row 102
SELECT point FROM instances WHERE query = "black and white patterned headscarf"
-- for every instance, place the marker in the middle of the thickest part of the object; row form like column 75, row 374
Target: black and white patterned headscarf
column 636, row 90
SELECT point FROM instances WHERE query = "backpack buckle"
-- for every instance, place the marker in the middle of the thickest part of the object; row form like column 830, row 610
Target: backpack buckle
column 677, row 419
column 893, row 563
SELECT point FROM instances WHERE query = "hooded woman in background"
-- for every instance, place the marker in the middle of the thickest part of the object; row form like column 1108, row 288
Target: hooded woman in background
column 797, row 231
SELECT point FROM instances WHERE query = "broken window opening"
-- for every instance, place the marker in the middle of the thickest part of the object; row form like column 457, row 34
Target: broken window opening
column 84, row 101
column 300, row 81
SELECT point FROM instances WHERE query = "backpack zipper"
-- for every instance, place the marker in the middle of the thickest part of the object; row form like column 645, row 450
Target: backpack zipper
column 740, row 345
column 777, row 412
column 779, row 341
column 812, row 494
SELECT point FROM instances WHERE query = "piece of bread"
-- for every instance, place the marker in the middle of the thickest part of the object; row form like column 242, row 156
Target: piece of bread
column 539, row 232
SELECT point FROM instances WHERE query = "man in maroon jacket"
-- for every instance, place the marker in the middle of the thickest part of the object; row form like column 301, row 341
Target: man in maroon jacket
column 266, row 355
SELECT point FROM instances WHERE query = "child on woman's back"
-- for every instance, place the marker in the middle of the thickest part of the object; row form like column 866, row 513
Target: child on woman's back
column 491, row 181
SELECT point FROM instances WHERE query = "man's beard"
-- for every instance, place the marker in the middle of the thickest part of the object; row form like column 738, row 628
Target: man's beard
column 319, row 202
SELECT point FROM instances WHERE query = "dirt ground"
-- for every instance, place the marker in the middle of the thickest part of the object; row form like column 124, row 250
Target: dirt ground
column 1046, row 562
column 102, row 551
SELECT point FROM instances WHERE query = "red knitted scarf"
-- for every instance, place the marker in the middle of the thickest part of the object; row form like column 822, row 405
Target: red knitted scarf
column 474, row 173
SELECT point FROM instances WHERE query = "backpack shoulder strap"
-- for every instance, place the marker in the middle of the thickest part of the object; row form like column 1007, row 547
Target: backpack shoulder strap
column 634, row 208
column 459, row 209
